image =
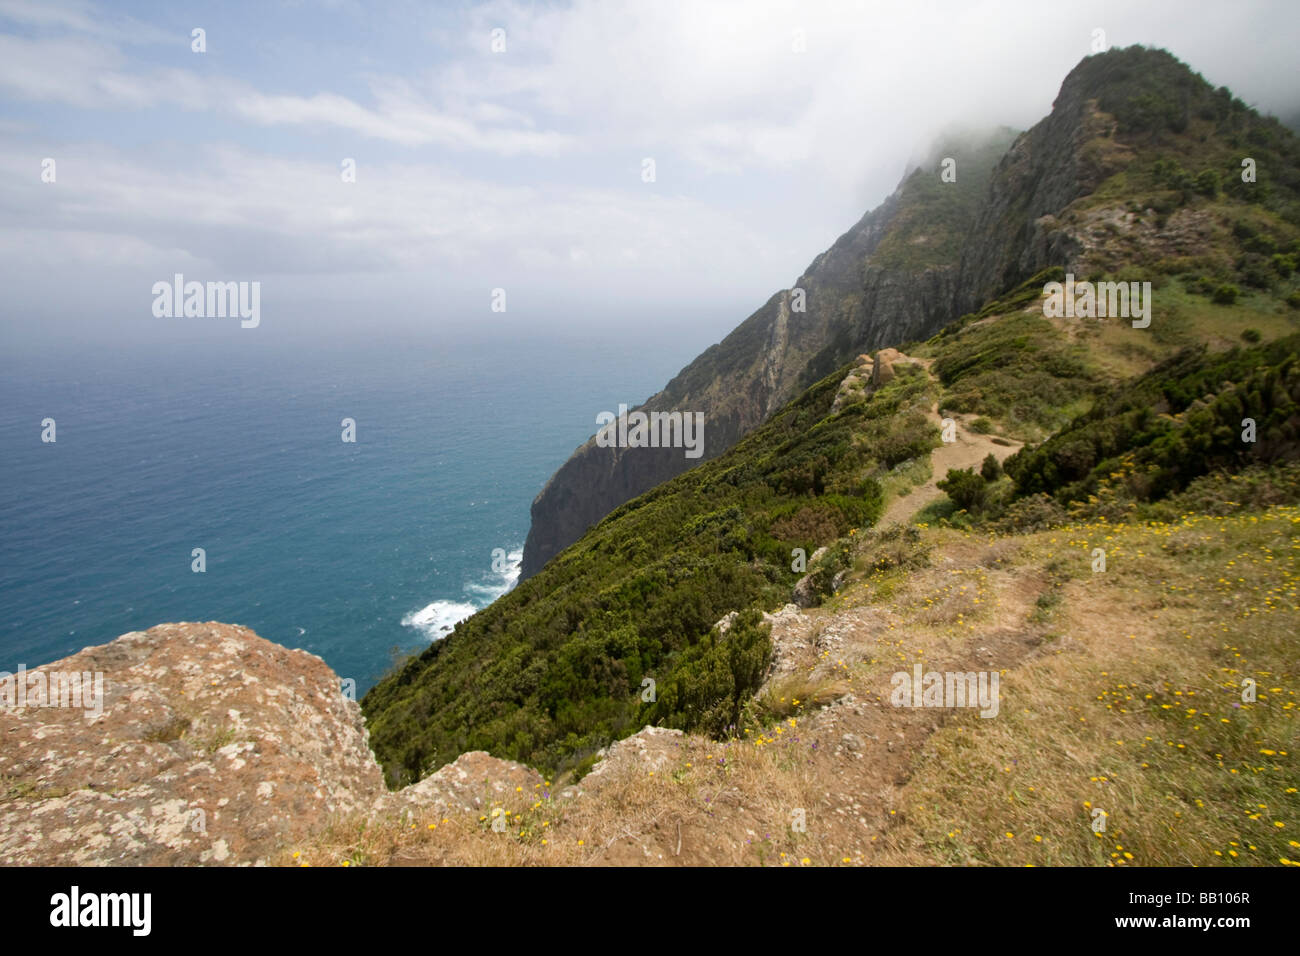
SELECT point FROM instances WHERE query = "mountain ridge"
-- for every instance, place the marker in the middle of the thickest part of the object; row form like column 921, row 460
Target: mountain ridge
column 859, row 297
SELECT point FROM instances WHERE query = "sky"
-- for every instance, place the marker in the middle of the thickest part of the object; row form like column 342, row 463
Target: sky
column 504, row 145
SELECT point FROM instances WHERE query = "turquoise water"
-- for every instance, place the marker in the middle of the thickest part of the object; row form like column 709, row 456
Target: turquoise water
column 346, row 550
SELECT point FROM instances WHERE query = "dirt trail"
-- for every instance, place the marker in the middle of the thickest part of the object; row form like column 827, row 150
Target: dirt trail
column 968, row 450
column 860, row 750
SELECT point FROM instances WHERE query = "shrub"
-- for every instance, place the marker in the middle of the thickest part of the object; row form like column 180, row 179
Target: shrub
column 1251, row 335
column 1263, row 245
column 966, row 489
column 1226, row 294
column 1255, row 270
column 991, row 469
column 1033, row 513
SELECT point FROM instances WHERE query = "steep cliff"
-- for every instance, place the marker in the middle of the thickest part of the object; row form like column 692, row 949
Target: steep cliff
column 892, row 278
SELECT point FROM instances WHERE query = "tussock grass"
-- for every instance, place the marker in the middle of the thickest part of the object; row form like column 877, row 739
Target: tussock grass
column 1139, row 716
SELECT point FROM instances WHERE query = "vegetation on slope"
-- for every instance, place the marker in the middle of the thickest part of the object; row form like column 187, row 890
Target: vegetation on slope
column 562, row 665
column 557, row 668
column 1161, row 104
column 1122, row 702
column 1182, row 420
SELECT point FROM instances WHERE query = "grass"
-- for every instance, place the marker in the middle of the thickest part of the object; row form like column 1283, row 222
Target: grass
column 1117, row 695
column 1140, row 717
column 899, row 481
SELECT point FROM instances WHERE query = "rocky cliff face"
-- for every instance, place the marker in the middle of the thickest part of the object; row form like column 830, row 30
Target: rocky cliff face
column 208, row 745
column 213, row 746
column 931, row 252
column 848, row 304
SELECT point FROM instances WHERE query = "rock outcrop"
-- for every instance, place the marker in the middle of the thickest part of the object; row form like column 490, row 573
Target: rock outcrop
column 209, row 745
column 470, row 782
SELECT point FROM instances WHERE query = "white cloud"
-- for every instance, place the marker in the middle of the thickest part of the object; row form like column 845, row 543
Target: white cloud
column 244, row 214
column 474, row 165
column 83, row 17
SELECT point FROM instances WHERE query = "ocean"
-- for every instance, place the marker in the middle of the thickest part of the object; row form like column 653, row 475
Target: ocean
column 357, row 552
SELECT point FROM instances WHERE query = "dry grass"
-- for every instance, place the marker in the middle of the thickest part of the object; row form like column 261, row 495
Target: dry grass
column 1122, row 694
column 1138, row 715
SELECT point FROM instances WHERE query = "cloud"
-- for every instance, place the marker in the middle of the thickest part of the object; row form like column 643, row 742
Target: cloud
column 243, row 215
column 774, row 125
column 87, row 73
column 85, row 18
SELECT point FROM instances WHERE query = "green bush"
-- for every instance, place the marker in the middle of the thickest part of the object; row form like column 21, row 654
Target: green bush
column 966, row 489
column 714, row 679
column 1226, row 294
column 1260, row 244
column 1255, row 270
column 991, row 468
column 1203, row 398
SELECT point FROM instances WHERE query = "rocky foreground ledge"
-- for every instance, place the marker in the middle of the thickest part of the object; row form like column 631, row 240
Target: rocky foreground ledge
column 209, row 745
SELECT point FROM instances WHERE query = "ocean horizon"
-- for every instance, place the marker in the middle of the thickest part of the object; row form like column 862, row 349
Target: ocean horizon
column 360, row 552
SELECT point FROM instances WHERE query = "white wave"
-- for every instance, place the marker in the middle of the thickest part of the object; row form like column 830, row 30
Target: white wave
column 498, row 582
column 440, row 618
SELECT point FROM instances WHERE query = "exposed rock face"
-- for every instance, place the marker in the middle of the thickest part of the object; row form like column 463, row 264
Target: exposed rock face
column 849, row 305
column 1063, row 157
column 467, row 783
column 214, row 746
column 861, row 294
column 856, row 384
column 647, row 750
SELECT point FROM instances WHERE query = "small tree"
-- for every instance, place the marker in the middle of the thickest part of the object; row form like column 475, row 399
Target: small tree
column 991, row 469
column 1226, row 294
column 965, row 488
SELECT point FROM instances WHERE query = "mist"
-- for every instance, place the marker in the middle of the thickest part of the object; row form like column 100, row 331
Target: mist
column 612, row 169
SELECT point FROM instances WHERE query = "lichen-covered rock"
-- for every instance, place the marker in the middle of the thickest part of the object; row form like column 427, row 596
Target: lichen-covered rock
column 648, row 750
column 213, row 746
column 472, row 781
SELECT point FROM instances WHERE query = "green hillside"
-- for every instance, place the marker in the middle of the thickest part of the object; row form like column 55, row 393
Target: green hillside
column 1117, row 421
column 554, row 670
